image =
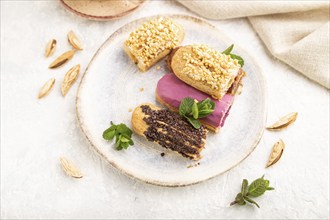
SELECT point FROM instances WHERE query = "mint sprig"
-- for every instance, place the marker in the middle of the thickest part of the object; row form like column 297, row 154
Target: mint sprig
column 192, row 110
column 257, row 188
column 122, row 133
column 233, row 56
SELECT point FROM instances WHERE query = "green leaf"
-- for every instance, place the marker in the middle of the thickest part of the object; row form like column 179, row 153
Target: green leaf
column 205, row 107
column 228, row 50
column 194, row 122
column 206, row 112
column 236, row 57
column 124, row 140
column 125, row 145
column 251, row 201
column 123, row 129
column 109, row 134
column 258, row 187
column 240, row 199
column 118, row 143
column 186, row 106
column 255, row 189
column 244, row 188
column 195, row 110
column 122, row 133
column 192, row 110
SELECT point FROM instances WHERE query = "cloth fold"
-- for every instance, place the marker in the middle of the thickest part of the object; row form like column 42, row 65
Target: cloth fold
column 296, row 32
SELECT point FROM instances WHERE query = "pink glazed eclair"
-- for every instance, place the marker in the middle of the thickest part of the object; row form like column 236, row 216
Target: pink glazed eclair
column 171, row 90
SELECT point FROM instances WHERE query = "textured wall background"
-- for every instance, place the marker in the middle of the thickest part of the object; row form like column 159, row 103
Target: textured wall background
column 34, row 134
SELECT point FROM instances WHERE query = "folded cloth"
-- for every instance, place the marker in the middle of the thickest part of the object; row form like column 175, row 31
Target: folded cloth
column 296, row 32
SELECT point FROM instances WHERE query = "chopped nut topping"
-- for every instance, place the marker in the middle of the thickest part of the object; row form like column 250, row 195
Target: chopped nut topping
column 152, row 38
column 213, row 67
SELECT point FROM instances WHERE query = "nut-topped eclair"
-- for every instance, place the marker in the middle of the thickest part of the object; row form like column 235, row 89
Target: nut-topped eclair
column 204, row 68
column 169, row 130
column 152, row 41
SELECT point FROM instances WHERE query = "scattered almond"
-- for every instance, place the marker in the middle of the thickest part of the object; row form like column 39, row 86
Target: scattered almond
column 70, row 169
column 62, row 59
column 284, row 122
column 45, row 90
column 50, row 48
column 69, row 78
column 276, row 153
column 74, row 41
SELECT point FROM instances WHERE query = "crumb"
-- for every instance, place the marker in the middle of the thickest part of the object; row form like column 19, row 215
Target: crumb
column 130, row 110
column 193, row 165
column 162, row 154
column 141, row 89
column 158, row 68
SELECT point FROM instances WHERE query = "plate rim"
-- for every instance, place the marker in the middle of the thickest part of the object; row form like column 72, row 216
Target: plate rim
column 152, row 181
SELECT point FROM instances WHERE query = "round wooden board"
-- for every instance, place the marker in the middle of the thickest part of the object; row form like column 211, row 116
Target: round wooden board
column 101, row 10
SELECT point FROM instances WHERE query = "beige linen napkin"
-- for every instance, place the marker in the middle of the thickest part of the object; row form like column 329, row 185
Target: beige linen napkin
column 296, row 32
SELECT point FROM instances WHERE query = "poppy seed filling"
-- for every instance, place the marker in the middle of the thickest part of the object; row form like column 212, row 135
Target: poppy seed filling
column 172, row 132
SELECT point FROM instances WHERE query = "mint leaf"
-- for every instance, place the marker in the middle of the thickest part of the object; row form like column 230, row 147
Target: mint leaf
column 194, row 110
column 244, row 188
column 122, row 133
column 258, row 187
column 186, row 106
column 109, row 134
column 251, row 201
column 194, row 122
column 123, row 129
column 234, row 56
column 123, row 139
column 228, row 50
column 255, row 189
column 204, row 113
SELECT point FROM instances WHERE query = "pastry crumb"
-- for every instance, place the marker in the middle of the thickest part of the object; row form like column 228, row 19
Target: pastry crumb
column 193, row 165
column 130, row 110
column 141, row 89
column 158, row 68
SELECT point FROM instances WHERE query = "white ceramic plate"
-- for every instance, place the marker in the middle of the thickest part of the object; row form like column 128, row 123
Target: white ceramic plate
column 111, row 86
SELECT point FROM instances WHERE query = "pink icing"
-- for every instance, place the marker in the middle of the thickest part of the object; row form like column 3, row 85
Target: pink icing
column 172, row 90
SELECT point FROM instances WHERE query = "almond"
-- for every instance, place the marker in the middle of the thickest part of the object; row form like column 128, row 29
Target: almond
column 69, row 78
column 62, row 59
column 74, row 41
column 45, row 90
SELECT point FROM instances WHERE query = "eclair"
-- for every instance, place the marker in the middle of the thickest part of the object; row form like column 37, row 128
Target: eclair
column 171, row 91
column 205, row 69
column 168, row 129
column 152, row 41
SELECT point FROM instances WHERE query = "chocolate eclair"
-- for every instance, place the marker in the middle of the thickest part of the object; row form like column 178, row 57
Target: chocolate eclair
column 168, row 129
